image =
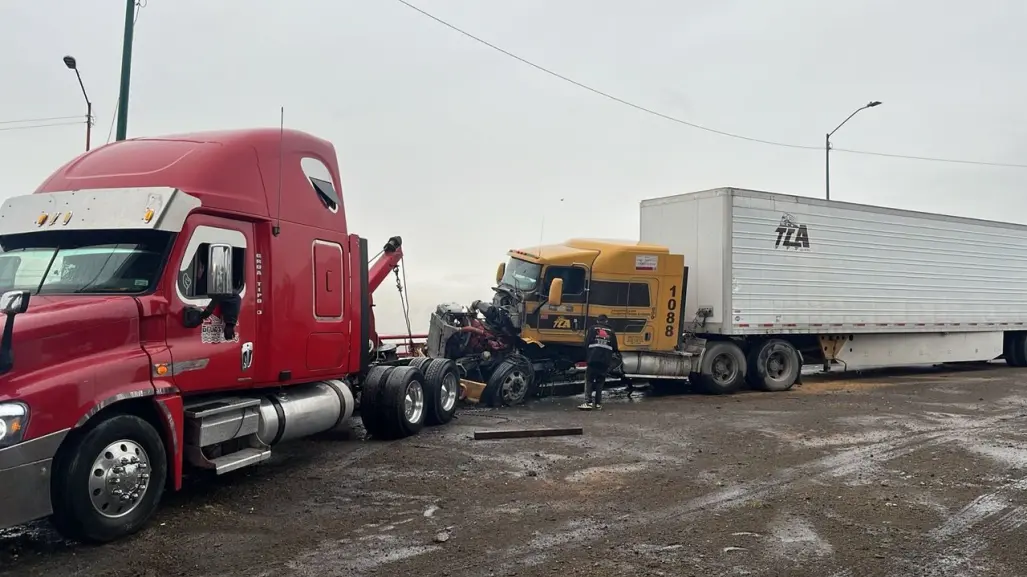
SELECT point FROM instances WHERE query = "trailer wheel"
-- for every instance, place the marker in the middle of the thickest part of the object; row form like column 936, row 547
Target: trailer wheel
column 773, row 366
column 1015, row 349
column 511, row 382
column 442, row 387
column 109, row 481
column 723, row 368
column 401, row 409
column 370, row 400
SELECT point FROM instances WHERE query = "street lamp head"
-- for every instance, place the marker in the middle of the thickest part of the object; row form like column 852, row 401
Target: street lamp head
column 69, row 61
column 874, row 103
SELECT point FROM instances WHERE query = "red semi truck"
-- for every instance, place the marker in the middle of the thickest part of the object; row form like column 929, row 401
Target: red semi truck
column 187, row 300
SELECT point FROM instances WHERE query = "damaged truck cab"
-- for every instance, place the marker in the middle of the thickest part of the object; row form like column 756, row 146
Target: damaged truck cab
column 533, row 332
column 185, row 300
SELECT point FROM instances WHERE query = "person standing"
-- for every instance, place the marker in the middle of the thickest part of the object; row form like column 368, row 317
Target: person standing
column 601, row 343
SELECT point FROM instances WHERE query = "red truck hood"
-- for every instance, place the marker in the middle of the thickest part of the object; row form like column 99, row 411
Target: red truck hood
column 58, row 329
column 62, row 314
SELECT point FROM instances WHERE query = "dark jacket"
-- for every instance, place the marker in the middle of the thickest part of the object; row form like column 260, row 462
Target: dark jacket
column 602, row 344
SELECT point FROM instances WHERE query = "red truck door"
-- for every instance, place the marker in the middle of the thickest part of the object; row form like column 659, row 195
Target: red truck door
column 328, row 345
column 202, row 359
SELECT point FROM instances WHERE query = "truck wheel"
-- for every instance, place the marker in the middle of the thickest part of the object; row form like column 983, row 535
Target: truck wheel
column 402, row 403
column 370, row 400
column 511, row 382
column 773, row 366
column 108, row 483
column 442, row 387
column 723, row 368
column 1015, row 349
column 421, row 363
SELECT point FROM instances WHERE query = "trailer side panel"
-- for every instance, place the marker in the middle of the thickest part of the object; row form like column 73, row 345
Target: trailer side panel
column 800, row 265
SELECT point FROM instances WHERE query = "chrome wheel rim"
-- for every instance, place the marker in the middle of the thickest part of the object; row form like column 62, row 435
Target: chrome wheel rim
column 119, row 479
column 514, row 387
column 413, row 402
column 450, row 386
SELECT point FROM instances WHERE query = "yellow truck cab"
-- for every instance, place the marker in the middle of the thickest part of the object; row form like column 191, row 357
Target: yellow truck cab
column 564, row 287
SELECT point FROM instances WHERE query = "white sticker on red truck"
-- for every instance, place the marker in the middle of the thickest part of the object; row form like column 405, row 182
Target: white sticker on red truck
column 212, row 331
column 646, row 261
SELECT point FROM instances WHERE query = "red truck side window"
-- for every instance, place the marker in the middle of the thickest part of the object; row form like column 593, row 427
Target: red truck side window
column 192, row 271
column 320, row 179
column 193, row 280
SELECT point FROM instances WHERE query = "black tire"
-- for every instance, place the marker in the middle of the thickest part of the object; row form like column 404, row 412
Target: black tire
column 1015, row 348
column 421, row 363
column 399, row 416
column 511, row 383
column 88, row 506
column 442, row 390
column 773, row 366
column 723, row 368
column 370, row 400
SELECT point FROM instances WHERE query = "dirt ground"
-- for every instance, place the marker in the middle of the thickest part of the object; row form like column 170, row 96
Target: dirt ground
column 920, row 473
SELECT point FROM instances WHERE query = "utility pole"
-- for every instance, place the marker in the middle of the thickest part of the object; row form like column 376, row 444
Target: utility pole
column 827, row 166
column 126, row 69
column 827, row 147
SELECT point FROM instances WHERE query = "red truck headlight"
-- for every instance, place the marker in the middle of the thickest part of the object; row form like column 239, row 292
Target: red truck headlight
column 13, row 418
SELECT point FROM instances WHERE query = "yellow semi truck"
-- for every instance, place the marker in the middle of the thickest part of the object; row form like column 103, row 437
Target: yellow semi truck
column 532, row 333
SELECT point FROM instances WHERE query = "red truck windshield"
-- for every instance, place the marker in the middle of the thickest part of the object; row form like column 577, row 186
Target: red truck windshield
column 84, row 262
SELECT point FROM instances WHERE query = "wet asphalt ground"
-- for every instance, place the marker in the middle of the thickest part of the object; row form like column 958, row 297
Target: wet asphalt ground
column 913, row 473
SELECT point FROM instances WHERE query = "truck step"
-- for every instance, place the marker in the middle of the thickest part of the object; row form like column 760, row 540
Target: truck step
column 240, row 459
column 215, row 421
column 210, row 407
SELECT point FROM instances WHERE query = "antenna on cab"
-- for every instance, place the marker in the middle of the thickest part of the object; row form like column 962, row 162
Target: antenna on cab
column 277, row 228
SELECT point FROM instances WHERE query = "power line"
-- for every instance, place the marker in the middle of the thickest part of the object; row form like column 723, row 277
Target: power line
column 27, row 120
column 600, row 92
column 931, row 158
column 33, row 126
column 685, row 122
column 114, row 117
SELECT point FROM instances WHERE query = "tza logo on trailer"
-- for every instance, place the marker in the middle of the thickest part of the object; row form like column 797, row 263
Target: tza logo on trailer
column 791, row 234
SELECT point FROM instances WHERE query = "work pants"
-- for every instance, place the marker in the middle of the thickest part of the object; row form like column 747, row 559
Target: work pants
column 595, row 378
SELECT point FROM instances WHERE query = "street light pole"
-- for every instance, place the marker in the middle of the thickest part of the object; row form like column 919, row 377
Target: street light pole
column 827, row 147
column 70, row 62
column 126, row 69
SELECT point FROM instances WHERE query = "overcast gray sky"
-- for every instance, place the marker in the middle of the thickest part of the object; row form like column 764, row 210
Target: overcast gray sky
column 461, row 150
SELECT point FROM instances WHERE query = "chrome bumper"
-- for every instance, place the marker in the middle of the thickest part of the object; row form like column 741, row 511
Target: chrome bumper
column 25, row 479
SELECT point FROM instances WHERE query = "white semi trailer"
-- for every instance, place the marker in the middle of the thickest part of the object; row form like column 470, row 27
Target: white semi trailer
column 844, row 285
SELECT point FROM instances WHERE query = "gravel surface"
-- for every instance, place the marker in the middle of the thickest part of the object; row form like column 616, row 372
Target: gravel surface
column 919, row 473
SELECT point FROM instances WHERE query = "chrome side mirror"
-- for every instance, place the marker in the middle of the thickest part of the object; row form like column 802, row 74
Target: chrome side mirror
column 220, row 282
column 14, row 302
